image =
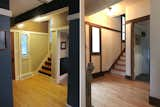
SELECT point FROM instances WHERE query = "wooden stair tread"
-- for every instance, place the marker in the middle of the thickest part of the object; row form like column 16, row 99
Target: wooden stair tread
column 45, row 72
column 120, row 70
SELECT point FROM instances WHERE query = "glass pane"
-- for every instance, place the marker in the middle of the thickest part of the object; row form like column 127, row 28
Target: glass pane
column 95, row 40
column 24, row 44
column 123, row 20
column 123, row 28
column 123, row 36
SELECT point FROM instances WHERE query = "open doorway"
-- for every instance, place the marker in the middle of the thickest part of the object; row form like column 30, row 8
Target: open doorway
column 39, row 79
column 142, row 50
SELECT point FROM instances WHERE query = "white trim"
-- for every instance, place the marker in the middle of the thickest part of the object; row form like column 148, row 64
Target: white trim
column 5, row 12
column 82, row 51
column 62, row 78
column 73, row 16
column 19, row 31
column 67, row 105
column 59, row 28
column 26, row 75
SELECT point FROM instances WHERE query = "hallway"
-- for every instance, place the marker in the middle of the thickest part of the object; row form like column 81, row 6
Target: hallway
column 39, row 91
column 115, row 91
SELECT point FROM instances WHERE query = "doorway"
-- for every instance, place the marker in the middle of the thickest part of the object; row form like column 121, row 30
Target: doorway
column 141, row 50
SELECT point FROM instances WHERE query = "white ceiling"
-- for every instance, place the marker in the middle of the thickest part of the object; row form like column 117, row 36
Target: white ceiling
column 20, row 6
column 92, row 6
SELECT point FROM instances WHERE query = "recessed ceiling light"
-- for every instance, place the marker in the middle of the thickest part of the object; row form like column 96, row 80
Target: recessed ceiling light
column 39, row 19
column 20, row 26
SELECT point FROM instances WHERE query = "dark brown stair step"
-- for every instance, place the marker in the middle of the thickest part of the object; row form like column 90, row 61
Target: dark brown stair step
column 48, row 63
column 49, row 59
column 46, row 68
column 45, row 72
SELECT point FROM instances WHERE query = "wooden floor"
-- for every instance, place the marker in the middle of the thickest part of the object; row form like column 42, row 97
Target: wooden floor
column 39, row 91
column 107, row 91
column 115, row 91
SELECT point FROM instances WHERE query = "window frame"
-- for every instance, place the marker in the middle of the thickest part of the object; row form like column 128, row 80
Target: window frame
column 122, row 28
column 27, row 35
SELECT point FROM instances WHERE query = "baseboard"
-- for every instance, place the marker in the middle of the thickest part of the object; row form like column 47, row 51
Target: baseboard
column 61, row 79
column 154, row 101
column 26, row 75
column 99, row 74
column 128, row 77
column 67, row 105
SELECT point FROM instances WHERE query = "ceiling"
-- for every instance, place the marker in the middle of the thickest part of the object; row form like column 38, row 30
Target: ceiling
column 20, row 6
column 92, row 6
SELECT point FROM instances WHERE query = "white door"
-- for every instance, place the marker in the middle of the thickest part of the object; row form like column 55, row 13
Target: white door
column 24, row 55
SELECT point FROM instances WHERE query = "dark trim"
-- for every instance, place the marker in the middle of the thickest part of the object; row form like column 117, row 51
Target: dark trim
column 112, row 66
column 98, row 74
column 104, row 27
column 40, row 10
column 138, row 19
column 154, row 101
column 128, row 77
column 91, row 53
column 100, row 50
column 132, row 51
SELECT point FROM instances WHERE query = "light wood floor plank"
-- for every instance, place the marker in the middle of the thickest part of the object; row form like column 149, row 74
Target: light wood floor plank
column 39, row 91
column 115, row 91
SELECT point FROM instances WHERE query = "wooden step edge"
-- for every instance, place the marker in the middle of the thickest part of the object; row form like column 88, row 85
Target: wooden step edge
column 45, row 72
column 120, row 70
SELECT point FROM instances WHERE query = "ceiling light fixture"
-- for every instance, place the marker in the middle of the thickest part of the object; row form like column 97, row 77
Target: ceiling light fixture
column 20, row 26
column 39, row 19
column 109, row 12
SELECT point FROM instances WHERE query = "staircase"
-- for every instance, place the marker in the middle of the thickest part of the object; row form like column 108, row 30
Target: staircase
column 120, row 66
column 46, row 67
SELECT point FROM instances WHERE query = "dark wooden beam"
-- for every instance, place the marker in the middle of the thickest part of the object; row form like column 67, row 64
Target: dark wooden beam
column 139, row 19
column 104, row 27
column 40, row 10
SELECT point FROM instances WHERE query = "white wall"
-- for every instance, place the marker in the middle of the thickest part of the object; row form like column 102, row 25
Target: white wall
column 111, row 40
column 155, row 49
column 128, row 49
column 137, row 9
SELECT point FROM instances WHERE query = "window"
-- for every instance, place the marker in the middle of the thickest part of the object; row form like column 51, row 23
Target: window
column 95, row 40
column 24, row 44
column 123, row 25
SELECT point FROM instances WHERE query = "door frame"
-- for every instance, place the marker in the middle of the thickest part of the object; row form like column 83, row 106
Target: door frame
column 59, row 78
column 132, row 41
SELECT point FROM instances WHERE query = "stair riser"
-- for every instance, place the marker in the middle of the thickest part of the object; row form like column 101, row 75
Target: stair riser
column 118, row 73
column 121, row 62
column 120, row 67
column 122, row 58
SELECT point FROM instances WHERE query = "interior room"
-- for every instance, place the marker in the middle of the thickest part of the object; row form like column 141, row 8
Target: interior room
column 108, row 47
column 142, row 51
column 40, row 52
